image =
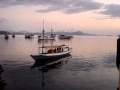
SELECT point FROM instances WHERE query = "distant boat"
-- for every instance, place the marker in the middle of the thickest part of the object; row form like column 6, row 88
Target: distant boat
column 13, row 35
column 71, row 36
column 6, row 36
column 51, row 52
column 47, row 37
column 52, row 35
column 39, row 36
column 27, row 36
column 64, row 36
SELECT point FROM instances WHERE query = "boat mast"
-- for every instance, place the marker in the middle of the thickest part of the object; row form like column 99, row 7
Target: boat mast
column 43, row 37
column 51, row 31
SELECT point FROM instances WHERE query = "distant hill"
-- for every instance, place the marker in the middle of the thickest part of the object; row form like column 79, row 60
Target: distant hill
column 74, row 33
column 78, row 33
column 57, row 33
column 4, row 32
column 67, row 33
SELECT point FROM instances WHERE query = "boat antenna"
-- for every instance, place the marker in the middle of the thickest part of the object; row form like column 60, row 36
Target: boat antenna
column 43, row 36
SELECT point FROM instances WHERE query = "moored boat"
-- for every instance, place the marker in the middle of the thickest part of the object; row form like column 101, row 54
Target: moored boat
column 6, row 36
column 13, row 35
column 64, row 37
column 46, row 38
column 28, row 36
column 51, row 52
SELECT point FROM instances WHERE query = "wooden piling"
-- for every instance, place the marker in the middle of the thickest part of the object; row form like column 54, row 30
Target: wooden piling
column 118, row 53
column 119, row 78
column 118, row 59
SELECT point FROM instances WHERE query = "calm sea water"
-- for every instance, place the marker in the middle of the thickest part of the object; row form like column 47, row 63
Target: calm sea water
column 91, row 65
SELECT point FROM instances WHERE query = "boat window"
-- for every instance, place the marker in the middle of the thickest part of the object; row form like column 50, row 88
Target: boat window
column 51, row 51
column 58, row 50
column 65, row 48
column 44, row 50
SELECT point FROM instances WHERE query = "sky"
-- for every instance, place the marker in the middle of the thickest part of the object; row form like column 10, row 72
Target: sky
column 91, row 16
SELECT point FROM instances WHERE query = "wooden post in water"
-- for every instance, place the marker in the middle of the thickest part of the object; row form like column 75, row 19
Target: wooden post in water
column 118, row 59
column 43, row 37
column 119, row 78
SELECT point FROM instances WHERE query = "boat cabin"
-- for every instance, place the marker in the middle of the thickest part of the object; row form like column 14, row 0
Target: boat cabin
column 53, row 49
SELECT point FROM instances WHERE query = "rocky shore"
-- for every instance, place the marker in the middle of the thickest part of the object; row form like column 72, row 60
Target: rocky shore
column 2, row 83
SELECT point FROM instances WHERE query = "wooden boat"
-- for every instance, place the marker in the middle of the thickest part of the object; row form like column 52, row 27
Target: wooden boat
column 51, row 52
column 51, row 37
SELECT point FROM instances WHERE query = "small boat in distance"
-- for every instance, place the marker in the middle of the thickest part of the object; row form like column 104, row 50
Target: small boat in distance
column 51, row 52
column 13, row 35
column 47, row 37
column 6, row 36
column 64, row 37
column 27, row 36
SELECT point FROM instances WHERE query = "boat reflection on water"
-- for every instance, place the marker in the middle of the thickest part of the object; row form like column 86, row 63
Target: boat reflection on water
column 46, row 65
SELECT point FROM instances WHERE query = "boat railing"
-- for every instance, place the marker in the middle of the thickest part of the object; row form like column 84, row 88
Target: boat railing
column 53, row 50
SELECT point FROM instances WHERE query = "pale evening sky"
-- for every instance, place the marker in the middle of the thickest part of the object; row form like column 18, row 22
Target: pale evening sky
column 92, row 16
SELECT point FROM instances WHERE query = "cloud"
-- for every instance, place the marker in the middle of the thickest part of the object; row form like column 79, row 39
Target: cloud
column 112, row 10
column 72, row 6
column 66, row 6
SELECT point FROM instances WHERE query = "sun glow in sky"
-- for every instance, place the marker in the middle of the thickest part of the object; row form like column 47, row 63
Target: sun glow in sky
column 90, row 16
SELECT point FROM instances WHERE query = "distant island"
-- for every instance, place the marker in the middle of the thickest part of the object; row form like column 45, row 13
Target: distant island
column 57, row 33
column 75, row 33
column 4, row 32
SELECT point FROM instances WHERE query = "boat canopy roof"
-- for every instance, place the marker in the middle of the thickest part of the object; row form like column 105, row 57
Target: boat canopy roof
column 55, row 46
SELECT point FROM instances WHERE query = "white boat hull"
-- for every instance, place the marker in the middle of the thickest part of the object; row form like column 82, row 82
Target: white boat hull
column 50, row 56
